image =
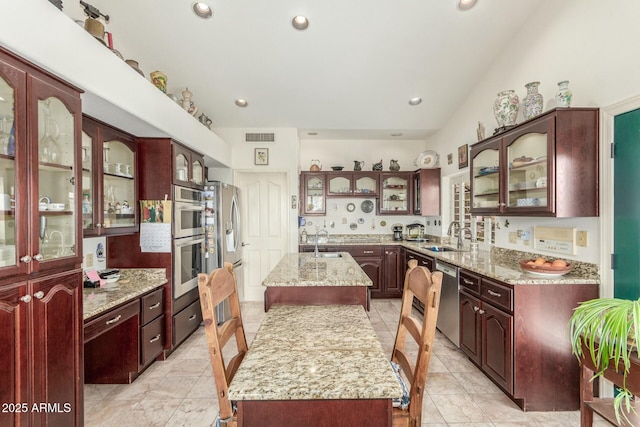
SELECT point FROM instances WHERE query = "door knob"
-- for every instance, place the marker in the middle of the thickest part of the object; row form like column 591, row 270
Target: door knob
column 26, row 298
column 26, row 259
column 38, row 257
column 39, row 295
column 245, row 244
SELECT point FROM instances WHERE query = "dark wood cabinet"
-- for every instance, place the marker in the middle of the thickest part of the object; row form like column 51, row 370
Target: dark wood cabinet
column 109, row 183
column 546, row 166
column 312, row 193
column 188, row 167
column 40, row 235
column 350, row 184
column 426, row 192
column 423, row 261
column 41, row 361
column 393, row 279
column 516, row 334
column 395, row 193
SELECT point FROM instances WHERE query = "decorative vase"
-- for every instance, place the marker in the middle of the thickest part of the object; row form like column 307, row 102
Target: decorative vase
column 505, row 108
column 394, row 166
column 532, row 103
column 564, row 95
column 159, row 80
column 134, row 64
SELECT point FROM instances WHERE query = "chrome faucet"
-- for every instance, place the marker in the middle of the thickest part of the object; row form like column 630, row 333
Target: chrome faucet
column 318, row 238
column 454, row 224
column 462, row 234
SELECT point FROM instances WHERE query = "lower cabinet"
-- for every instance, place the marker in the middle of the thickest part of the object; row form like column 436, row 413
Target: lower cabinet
column 393, row 278
column 423, row 261
column 121, row 343
column 517, row 335
column 40, row 351
column 186, row 321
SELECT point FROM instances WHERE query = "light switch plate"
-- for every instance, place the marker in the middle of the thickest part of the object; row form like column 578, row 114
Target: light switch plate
column 582, row 239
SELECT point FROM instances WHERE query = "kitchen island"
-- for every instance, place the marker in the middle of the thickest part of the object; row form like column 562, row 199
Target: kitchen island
column 303, row 279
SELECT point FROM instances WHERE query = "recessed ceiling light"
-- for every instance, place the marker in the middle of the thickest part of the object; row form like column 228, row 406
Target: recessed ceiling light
column 466, row 4
column 202, row 10
column 396, row 134
column 241, row 103
column 300, row 22
column 415, row 101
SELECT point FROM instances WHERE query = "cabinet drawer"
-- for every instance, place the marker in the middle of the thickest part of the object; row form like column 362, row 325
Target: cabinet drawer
column 152, row 340
column 152, row 306
column 497, row 294
column 362, row 251
column 111, row 319
column 423, row 261
column 186, row 322
column 470, row 281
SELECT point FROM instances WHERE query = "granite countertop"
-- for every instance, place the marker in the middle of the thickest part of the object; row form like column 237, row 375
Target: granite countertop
column 498, row 263
column 315, row 352
column 303, row 269
column 133, row 283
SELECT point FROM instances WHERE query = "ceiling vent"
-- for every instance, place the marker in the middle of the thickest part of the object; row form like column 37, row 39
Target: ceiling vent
column 259, row 137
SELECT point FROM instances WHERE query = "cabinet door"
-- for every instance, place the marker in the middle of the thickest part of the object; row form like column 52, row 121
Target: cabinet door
column 197, row 171
column 313, row 185
column 394, row 193
column 365, row 183
column 181, row 165
column 340, row 184
column 426, row 192
column 56, row 346
column 529, row 188
column 119, row 183
column 91, row 186
column 497, row 345
column 470, row 327
column 485, row 177
column 372, row 268
column 13, row 170
column 13, row 353
column 393, row 284
column 55, row 135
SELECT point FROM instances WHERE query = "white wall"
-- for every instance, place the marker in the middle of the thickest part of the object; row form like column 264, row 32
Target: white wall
column 592, row 44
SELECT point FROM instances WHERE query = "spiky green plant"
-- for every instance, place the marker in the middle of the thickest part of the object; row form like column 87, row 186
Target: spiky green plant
column 610, row 330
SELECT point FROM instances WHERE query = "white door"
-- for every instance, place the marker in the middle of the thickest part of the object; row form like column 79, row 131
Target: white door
column 263, row 197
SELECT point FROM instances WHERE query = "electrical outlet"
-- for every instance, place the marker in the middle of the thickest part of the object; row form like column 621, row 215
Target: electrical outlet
column 88, row 259
column 582, row 239
column 513, row 237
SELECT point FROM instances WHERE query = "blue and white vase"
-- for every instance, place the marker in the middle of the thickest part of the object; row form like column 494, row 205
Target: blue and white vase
column 564, row 95
column 532, row 103
column 505, row 108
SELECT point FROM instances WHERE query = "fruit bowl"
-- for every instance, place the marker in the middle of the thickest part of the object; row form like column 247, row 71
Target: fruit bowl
column 544, row 270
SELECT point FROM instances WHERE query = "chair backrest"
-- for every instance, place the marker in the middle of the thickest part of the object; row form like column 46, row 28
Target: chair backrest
column 420, row 283
column 214, row 288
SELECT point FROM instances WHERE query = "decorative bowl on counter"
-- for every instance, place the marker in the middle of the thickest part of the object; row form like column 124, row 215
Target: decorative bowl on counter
column 546, row 269
column 337, row 168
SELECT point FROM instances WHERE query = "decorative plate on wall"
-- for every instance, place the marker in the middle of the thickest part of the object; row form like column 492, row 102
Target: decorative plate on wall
column 427, row 159
column 367, row 206
column 351, row 207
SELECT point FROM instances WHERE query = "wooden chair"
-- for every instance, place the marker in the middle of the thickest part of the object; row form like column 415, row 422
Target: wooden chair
column 419, row 282
column 215, row 288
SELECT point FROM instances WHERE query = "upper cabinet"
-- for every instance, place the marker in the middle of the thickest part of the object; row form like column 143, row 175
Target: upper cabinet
column 352, row 184
column 547, row 166
column 188, row 167
column 312, row 193
column 109, row 190
column 39, row 150
column 426, row 192
column 395, row 193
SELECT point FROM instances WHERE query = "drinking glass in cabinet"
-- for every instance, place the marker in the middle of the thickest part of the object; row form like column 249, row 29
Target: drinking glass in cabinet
column 55, row 132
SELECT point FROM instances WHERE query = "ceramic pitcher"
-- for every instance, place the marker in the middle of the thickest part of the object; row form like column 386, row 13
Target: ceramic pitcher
column 394, row 165
column 357, row 166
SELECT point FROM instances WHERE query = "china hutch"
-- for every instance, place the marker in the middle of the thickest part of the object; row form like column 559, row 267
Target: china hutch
column 40, row 246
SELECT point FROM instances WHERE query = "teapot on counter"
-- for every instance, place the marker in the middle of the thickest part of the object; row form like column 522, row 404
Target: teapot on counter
column 316, row 166
column 358, row 165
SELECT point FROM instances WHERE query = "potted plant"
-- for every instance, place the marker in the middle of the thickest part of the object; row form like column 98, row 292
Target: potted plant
column 609, row 329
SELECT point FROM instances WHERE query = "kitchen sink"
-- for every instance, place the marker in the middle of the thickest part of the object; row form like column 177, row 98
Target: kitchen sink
column 329, row 255
column 442, row 249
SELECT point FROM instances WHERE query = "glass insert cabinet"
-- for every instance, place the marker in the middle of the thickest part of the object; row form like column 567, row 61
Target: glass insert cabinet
column 547, row 166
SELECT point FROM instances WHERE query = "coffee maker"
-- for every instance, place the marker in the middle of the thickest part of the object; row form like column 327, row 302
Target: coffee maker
column 397, row 232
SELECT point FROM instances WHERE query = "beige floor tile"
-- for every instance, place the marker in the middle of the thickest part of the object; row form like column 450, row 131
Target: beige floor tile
column 458, row 408
column 475, row 383
column 499, row 408
column 194, row 413
column 443, row 383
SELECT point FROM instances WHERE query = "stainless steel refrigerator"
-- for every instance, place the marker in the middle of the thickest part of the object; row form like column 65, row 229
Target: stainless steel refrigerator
column 223, row 242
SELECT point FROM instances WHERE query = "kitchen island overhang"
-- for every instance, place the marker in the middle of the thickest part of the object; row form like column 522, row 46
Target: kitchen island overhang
column 304, row 279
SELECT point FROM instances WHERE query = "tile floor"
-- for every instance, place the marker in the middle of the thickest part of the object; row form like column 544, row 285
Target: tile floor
column 180, row 390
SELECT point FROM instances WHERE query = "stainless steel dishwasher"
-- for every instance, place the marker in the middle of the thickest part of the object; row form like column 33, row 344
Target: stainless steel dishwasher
column 449, row 314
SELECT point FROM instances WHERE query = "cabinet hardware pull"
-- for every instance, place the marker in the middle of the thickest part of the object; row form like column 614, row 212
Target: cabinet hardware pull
column 39, row 295
column 192, row 317
column 26, row 259
column 481, row 311
column 367, row 252
column 156, row 305
column 502, row 204
column 468, row 282
column 98, row 225
column 114, row 320
column 493, row 294
column 38, row 257
column 154, row 339
column 26, row 298
column 476, row 309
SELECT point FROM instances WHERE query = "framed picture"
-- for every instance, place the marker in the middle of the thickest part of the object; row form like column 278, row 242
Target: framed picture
column 261, row 156
column 463, row 156
column 450, row 158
